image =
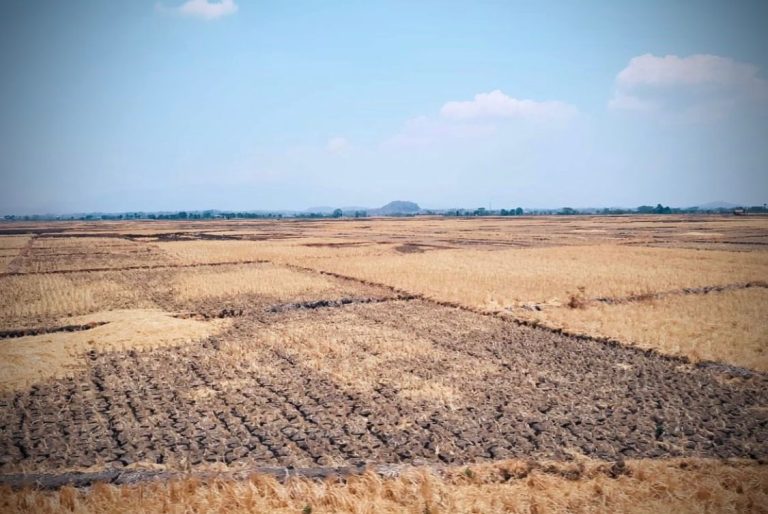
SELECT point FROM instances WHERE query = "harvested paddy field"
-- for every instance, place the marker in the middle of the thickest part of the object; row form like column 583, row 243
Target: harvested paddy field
column 438, row 349
column 390, row 382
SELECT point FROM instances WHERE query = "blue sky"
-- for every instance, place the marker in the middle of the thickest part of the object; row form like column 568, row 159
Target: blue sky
column 116, row 106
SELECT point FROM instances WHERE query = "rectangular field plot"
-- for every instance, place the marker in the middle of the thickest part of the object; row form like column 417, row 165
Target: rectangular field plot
column 35, row 300
column 511, row 278
column 356, row 353
column 207, row 252
column 40, row 300
column 729, row 326
column 84, row 253
column 13, row 242
column 260, row 284
column 266, row 280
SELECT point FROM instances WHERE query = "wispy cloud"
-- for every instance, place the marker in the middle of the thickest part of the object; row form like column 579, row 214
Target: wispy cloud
column 697, row 83
column 204, row 9
column 338, row 145
column 424, row 131
column 498, row 105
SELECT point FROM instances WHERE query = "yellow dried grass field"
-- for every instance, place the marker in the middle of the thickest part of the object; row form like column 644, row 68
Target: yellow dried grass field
column 651, row 486
column 28, row 299
column 261, row 279
column 195, row 252
column 508, row 278
column 729, row 326
column 30, row 359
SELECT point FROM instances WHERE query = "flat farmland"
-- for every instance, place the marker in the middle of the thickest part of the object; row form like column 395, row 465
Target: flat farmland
column 620, row 361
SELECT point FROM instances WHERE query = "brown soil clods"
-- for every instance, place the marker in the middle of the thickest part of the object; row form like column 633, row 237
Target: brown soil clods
column 541, row 395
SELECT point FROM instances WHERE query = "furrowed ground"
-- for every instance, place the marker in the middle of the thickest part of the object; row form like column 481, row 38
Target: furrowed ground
column 436, row 343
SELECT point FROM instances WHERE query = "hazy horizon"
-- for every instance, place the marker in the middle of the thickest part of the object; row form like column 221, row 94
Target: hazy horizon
column 193, row 105
column 715, row 204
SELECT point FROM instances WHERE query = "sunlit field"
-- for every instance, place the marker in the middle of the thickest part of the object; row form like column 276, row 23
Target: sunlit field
column 552, row 364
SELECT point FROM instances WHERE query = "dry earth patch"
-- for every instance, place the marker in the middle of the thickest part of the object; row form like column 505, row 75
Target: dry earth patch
column 32, row 359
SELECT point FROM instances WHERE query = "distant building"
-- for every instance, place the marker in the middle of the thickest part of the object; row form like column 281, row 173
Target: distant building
column 739, row 211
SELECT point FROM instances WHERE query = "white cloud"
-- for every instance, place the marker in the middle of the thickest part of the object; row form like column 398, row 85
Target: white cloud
column 498, row 105
column 672, row 70
column 697, row 82
column 479, row 119
column 205, row 9
column 338, row 145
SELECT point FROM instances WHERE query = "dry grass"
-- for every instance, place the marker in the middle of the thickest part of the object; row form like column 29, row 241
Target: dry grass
column 730, row 326
column 194, row 252
column 502, row 278
column 700, row 327
column 27, row 300
column 5, row 260
column 30, row 359
column 489, row 264
column 703, row 231
column 264, row 280
column 13, row 242
column 508, row 278
column 10, row 248
column 651, row 486
column 75, row 253
column 361, row 355
column 498, row 280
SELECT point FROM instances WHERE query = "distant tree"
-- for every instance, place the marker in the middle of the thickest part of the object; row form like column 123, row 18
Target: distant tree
column 337, row 213
column 567, row 211
column 519, row 211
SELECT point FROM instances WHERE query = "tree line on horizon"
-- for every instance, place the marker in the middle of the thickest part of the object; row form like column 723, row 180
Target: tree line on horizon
column 338, row 213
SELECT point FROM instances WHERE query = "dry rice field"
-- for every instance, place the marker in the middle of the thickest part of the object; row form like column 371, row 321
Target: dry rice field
column 553, row 364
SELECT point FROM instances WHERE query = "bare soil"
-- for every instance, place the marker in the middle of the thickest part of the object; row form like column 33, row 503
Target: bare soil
column 549, row 396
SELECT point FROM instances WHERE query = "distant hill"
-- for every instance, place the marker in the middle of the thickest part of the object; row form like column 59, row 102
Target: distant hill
column 398, row 207
column 711, row 206
column 353, row 208
column 324, row 209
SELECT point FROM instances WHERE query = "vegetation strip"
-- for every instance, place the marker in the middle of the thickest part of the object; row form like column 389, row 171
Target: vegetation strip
column 23, row 332
column 129, row 268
